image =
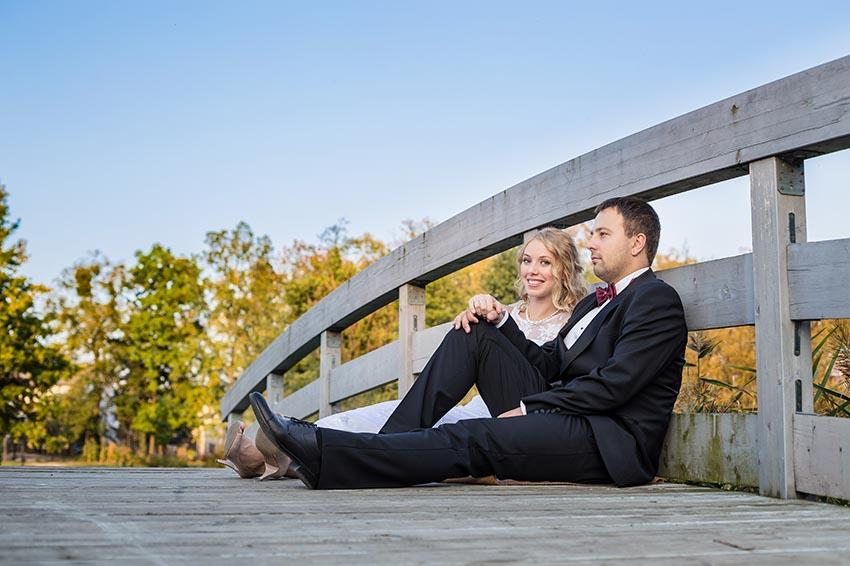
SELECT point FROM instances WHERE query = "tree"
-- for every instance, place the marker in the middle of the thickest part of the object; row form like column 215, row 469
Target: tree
column 29, row 364
column 90, row 311
column 500, row 275
column 248, row 303
column 312, row 271
column 162, row 386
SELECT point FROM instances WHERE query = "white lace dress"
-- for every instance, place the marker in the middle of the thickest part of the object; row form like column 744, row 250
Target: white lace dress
column 373, row 417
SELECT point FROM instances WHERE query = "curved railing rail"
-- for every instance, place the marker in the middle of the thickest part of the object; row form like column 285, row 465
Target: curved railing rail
column 766, row 132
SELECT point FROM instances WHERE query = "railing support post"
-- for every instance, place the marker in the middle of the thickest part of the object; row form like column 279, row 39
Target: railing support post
column 329, row 357
column 411, row 318
column 274, row 390
column 783, row 347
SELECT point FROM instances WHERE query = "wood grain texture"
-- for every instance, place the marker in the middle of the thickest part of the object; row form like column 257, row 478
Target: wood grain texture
column 714, row 448
column 822, row 455
column 715, row 294
column 364, row 372
column 330, row 356
column 804, row 114
column 818, row 273
column 302, row 403
column 411, row 319
column 209, row 516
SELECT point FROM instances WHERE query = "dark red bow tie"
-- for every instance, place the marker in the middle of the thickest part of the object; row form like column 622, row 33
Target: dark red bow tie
column 603, row 295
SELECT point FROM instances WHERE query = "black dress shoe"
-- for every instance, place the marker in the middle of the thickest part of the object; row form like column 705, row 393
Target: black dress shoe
column 298, row 439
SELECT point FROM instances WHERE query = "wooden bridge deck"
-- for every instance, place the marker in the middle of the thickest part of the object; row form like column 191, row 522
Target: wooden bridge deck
column 171, row 516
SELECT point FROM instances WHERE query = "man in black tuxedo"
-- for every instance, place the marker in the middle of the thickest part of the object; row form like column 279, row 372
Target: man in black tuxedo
column 592, row 405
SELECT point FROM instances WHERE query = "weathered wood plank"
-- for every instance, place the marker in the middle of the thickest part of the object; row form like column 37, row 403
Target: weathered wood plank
column 804, row 114
column 715, row 294
column 172, row 516
column 370, row 370
column 425, row 343
column 822, row 455
column 783, row 347
column 411, row 319
column 818, row 273
column 330, row 356
column 716, row 448
column 302, row 403
column 274, row 388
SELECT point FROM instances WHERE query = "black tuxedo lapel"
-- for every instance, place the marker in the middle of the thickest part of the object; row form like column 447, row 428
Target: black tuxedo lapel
column 593, row 328
column 583, row 307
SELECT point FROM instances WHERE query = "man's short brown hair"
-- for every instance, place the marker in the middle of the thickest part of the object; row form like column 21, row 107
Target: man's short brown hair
column 638, row 218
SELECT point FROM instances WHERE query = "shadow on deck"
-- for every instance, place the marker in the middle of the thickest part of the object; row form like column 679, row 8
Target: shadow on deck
column 169, row 516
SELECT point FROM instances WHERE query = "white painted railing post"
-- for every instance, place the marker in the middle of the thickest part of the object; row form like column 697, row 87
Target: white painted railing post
column 783, row 347
column 411, row 318
column 329, row 357
column 274, row 390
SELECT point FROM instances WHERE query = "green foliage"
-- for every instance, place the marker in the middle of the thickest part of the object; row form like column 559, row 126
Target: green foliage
column 248, row 306
column 500, row 276
column 29, row 364
column 162, row 386
column 311, row 271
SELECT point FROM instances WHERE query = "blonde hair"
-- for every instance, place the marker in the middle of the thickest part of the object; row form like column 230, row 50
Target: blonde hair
column 566, row 269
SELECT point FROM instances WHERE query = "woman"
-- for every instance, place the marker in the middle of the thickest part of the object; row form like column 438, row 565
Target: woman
column 549, row 284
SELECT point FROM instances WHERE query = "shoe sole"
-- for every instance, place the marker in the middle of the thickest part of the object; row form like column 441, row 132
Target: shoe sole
column 296, row 464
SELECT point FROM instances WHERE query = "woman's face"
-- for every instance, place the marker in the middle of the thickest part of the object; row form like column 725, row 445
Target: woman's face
column 535, row 270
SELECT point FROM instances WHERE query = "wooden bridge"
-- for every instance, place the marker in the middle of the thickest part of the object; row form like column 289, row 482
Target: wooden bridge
column 784, row 450
column 766, row 133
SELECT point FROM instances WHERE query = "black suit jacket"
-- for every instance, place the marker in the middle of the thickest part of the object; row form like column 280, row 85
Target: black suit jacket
column 623, row 373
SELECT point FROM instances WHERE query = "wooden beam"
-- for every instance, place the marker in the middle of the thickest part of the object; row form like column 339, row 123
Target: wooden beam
column 411, row 319
column 783, row 347
column 714, row 448
column 303, row 402
column 372, row 369
column 822, row 455
column 716, row 294
column 329, row 357
column 803, row 114
column 274, row 389
column 818, row 273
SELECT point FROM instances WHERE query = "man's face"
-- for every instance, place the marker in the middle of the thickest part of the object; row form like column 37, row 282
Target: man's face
column 611, row 251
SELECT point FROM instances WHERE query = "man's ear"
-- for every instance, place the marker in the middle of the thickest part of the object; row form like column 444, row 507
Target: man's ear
column 639, row 244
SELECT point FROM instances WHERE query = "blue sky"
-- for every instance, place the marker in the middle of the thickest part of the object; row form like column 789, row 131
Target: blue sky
column 128, row 123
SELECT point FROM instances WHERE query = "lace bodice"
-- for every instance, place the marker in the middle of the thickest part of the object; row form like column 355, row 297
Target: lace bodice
column 539, row 331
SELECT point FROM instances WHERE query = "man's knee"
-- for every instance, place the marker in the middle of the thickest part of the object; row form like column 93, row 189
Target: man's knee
column 477, row 331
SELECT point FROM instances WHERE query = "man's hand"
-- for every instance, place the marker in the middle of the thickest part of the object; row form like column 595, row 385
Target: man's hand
column 512, row 413
column 480, row 306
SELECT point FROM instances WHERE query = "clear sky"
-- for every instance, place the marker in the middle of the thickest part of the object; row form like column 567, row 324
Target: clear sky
column 128, row 123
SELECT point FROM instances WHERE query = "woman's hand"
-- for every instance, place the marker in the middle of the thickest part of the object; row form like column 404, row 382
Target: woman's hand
column 486, row 306
column 480, row 306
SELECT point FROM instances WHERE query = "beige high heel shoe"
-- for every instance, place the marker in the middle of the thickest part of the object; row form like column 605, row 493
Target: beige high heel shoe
column 240, row 454
column 277, row 463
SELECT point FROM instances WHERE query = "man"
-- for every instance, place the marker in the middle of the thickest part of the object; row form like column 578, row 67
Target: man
column 590, row 406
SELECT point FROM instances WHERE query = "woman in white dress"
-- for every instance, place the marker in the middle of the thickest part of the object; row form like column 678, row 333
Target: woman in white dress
column 549, row 284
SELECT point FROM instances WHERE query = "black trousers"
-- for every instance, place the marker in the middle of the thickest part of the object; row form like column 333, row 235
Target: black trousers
column 554, row 447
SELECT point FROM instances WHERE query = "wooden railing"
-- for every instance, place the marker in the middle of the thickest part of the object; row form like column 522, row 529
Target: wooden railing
column 765, row 133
